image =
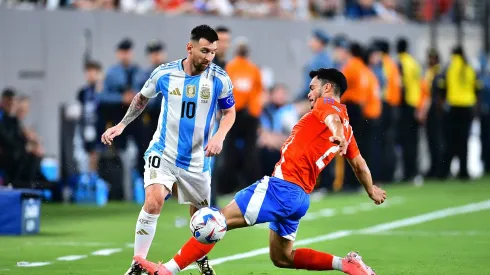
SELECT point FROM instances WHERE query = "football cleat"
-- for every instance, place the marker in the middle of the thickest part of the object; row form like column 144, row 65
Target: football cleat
column 151, row 268
column 204, row 267
column 353, row 265
column 134, row 269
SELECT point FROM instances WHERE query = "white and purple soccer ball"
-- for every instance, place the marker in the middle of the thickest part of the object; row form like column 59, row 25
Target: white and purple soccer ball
column 208, row 225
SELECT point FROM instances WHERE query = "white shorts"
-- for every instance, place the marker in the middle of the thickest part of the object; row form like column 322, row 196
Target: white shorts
column 192, row 187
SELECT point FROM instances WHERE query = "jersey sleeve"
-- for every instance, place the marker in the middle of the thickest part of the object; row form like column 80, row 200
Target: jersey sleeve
column 325, row 107
column 225, row 98
column 352, row 149
column 149, row 90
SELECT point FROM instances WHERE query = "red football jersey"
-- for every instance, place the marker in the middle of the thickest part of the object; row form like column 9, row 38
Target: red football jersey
column 308, row 149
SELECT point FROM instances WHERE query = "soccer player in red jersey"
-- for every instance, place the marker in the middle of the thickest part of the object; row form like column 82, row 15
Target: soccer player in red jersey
column 283, row 198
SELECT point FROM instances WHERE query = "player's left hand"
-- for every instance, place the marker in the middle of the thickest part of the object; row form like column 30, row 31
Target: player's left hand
column 214, row 146
column 377, row 194
column 341, row 142
column 111, row 133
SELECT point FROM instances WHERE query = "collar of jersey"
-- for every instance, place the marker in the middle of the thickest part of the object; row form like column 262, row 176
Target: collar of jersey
column 181, row 68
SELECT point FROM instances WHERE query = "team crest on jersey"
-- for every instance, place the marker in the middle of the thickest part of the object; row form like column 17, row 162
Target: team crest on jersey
column 190, row 91
column 205, row 92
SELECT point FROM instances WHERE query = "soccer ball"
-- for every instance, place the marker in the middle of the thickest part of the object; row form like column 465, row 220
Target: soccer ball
column 208, row 225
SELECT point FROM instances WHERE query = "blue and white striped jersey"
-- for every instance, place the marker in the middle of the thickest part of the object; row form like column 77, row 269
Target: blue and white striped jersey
column 187, row 113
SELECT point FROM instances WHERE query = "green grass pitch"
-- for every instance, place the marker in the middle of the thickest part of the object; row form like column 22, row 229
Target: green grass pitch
column 457, row 243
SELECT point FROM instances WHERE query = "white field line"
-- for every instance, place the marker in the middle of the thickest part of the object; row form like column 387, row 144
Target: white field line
column 431, row 216
column 421, row 233
column 347, row 210
column 71, row 258
column 88, row 244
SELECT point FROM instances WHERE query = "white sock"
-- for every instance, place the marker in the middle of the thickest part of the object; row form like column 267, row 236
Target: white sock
column 337, row 263
column 172, row 266
column 145, row 231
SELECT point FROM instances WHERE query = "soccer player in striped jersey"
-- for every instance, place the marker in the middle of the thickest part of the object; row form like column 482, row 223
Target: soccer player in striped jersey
column 193, row 90
column 283, row 199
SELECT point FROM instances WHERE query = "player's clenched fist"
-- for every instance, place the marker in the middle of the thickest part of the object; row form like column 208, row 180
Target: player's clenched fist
column 341, row 142
column 377, row 194
column 214, row 146
column 111, row 133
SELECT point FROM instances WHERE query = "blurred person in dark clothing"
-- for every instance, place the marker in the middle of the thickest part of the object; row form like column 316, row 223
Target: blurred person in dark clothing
column 240, row 161
column 411, row 74
column 459, row 85
column 321, row 59
column 431, row 114
column 30, row 168
column 87, row 97
column 156, row 54
column 485, row 122
column 116, row 97
column 12, row 148
column 224, row 35
column 372, row 110
column 19, row 155
column 391, row 99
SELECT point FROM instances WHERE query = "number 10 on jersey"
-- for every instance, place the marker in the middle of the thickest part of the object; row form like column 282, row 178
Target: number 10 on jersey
column 188, row 109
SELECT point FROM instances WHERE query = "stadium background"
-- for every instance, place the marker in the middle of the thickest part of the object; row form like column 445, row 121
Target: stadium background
column 43, row 51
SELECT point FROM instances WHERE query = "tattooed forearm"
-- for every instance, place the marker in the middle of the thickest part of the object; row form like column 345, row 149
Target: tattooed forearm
column 135, row 109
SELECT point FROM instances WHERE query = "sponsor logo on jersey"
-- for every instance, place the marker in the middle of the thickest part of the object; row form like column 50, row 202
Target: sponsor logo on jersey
column 190, row 91
column 176, row 91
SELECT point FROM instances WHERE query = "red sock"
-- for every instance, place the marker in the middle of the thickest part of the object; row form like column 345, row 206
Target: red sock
column 192, row 251
column 309, row 259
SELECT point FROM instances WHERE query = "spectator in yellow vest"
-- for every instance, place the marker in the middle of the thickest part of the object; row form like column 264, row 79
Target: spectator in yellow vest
column 411, row 76
column 459, row 85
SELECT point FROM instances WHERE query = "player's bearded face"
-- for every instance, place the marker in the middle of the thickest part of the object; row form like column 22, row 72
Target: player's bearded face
column 202, row 53
column 315, row 91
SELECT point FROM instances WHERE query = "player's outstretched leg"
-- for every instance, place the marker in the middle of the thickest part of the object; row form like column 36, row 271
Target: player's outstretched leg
column 283, row 256
column 193, row 249
column 147, row 223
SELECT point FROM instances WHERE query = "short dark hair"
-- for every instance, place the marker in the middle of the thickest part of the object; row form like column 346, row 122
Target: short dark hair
column 204, row 31
column 222, row 28
column 89, row 65
column 8, row 92
column 333, row 76
column 383, row 44
column 356, row 50
column 402, row 45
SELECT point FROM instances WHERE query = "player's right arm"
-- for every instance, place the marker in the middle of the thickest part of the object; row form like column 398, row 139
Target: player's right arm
column 334, row 123
column 137, row 107
column 363, row 174
column 325, row 111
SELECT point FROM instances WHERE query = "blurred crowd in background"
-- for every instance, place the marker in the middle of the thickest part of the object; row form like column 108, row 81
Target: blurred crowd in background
column 382, row 10
column 391, row 99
